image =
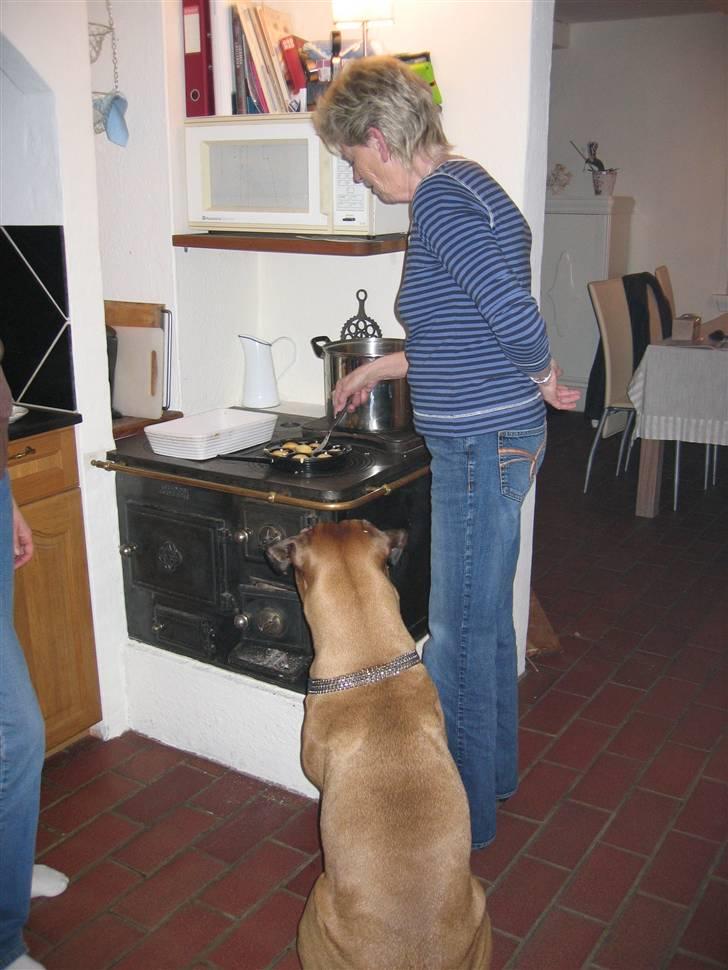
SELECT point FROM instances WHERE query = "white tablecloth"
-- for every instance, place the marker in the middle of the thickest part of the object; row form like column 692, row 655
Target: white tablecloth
column 680, row 393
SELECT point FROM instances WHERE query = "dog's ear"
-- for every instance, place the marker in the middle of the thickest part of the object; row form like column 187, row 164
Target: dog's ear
column 397, row 539
column 279, row 554
column 283, row 553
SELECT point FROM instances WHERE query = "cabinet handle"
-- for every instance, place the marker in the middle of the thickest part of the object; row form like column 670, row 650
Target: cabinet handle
column 28, row 450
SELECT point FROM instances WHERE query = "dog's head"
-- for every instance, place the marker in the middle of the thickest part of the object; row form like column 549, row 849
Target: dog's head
column 343, row 549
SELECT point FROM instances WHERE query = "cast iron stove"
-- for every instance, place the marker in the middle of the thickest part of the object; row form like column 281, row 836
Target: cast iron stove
column 194, row 533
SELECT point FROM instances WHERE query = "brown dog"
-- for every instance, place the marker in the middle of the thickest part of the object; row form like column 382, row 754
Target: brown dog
column 396, row 892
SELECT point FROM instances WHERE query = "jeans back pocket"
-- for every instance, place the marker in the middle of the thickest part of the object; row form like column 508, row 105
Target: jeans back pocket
column 520, row 454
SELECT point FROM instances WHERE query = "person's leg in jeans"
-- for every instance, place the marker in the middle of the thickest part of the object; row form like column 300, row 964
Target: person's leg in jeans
column 22, row 745
column 477, row 490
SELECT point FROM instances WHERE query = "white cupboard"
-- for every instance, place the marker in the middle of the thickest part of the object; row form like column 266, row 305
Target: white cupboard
column 585, row 239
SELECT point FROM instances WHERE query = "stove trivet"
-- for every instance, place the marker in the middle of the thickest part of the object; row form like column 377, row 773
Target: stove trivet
column 360, row 326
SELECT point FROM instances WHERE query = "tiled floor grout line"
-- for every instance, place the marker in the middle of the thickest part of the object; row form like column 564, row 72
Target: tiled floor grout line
column 220, row 821
column 543, row 823
column 653, row 615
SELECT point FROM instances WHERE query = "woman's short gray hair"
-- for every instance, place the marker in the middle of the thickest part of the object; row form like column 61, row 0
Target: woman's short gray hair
column 383, row 93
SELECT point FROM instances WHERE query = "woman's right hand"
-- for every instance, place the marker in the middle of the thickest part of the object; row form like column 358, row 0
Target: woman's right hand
column 353, row 390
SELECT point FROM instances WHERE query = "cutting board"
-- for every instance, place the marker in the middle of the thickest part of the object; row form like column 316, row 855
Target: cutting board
column 139, row 374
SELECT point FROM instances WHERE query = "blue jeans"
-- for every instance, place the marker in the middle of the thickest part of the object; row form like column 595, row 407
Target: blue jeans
column 478, row 485
column 22, row 746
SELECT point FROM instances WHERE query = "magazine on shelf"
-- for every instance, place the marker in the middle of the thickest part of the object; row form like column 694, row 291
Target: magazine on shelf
column 274, row 26
column 261, row 60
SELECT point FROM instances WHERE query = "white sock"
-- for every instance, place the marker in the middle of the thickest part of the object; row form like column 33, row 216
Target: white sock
column 26, row 962
column 46, row 882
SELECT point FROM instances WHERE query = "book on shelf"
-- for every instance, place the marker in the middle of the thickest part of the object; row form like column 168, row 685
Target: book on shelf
column 199, row 91
column 255, row 103
column 242, row 98
column 260, row 61
column 275, row 25
column 290, row 47
column 223, row 71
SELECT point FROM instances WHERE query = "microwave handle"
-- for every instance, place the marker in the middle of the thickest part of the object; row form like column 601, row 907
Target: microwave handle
column 327, row 187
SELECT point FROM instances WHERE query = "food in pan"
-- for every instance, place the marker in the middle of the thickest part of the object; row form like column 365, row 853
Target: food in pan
column 302, row 452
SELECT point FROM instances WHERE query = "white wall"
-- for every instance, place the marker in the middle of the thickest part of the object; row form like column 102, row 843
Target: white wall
column 654, row 94
column 52, row 37
column 30, row 191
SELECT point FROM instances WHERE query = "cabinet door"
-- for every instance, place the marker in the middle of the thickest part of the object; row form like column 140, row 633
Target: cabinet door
column 53, row 618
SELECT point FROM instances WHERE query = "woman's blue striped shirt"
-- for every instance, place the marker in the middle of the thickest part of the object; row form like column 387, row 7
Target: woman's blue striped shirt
column 474, row 332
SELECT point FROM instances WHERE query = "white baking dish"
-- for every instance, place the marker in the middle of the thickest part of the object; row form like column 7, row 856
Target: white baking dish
column 217, row 432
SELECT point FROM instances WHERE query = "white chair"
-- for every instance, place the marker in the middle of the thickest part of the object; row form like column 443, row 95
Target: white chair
column 615, row 327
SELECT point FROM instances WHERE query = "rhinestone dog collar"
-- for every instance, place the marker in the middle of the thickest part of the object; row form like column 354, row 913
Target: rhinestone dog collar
column 369, row 675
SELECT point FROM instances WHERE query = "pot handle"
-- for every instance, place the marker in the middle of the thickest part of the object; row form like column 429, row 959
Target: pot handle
column 318, row 344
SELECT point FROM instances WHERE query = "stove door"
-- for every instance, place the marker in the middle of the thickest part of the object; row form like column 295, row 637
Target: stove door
column 178, row 554
column 274, row 640
column 272, row 615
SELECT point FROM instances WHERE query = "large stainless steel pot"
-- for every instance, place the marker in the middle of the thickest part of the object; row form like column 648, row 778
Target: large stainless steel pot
column 388, row 407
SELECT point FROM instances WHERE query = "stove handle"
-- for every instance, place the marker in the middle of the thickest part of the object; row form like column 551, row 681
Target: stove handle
column 127, row 549
column 241, row 621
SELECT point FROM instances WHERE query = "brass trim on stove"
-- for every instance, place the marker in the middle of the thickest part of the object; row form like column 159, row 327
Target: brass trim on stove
column 272, row 498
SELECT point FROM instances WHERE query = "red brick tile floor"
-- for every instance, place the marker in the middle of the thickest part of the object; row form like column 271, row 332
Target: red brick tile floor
column 612, row 854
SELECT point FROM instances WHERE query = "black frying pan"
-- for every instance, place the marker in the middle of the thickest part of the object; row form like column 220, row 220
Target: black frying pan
column 296, row 462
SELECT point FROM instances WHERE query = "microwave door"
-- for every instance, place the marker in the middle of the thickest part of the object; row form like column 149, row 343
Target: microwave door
column 260, row 183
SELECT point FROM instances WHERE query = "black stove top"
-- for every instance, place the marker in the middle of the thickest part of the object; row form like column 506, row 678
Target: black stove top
column 376, row 460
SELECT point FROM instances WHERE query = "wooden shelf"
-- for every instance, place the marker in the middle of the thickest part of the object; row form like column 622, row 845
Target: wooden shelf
column 127, row 427
column 274, row 242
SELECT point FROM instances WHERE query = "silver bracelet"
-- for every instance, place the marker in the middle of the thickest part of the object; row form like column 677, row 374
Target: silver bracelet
column 543, row 380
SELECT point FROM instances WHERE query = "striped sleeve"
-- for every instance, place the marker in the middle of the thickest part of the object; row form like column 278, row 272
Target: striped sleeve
column 479, row 244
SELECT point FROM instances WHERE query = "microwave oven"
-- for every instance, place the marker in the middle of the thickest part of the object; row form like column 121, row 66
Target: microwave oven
column 272, row 173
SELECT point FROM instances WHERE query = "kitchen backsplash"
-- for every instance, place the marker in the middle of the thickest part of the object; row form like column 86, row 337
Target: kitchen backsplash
column 33, row 322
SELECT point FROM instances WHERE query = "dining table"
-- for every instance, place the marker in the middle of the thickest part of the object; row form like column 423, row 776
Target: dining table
column 680, row 393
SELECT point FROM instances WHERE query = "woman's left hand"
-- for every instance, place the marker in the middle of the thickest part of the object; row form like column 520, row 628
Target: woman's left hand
column 557, row 395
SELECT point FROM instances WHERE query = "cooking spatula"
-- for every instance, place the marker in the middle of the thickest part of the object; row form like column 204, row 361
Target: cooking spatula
column 336, row 421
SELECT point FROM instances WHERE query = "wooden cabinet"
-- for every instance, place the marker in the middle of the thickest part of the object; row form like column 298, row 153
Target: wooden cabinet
column 584, row 240
column 52, row 603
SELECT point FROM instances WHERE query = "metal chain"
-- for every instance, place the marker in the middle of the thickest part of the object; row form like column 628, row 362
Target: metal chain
column 114, row 54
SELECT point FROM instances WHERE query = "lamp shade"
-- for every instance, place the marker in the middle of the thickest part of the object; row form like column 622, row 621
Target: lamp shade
column 361, row 11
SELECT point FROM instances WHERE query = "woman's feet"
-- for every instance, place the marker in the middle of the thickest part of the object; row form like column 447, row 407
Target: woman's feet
column 46, row 882
column 25, row 962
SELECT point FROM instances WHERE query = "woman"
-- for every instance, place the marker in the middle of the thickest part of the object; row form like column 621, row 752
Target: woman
column 479, row 368
column 22, row 738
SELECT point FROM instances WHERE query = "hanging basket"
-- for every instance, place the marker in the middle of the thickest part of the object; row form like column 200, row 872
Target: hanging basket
column 96, row 35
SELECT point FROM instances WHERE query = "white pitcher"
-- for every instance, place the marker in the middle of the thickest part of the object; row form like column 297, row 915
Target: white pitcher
column 260, row 388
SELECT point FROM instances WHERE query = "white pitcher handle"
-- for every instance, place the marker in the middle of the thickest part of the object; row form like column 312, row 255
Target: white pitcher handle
column 292, row 361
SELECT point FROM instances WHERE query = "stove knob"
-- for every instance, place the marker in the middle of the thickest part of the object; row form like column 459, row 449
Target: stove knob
column 270, row 622
column 127, row 549
column 241, row 621
column 241, row 535
column 157, row 627
column 269, row 534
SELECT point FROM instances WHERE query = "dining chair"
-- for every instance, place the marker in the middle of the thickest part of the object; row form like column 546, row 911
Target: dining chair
column 662, row 274
column 615, row 328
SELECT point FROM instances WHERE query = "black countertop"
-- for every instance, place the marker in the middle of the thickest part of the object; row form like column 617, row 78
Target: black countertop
column 373, row 467
column 38, row 421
